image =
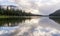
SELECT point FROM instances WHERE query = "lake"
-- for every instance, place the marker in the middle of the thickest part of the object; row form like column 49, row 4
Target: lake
column 33, row 26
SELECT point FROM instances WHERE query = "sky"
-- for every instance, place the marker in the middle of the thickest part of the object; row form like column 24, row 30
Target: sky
column 7, row 2
column 43, row 7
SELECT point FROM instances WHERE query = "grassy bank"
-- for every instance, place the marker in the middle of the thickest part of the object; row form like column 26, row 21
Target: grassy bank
column 3, row 16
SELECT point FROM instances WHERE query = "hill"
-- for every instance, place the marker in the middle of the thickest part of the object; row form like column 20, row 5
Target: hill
column 56, row 13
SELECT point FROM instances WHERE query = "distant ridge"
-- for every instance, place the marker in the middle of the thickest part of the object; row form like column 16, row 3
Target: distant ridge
column 56, row 13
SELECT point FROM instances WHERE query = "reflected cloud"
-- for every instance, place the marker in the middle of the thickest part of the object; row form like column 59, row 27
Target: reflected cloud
column 42, row 26
column 46, row 31
column 5, row 31
column 8, row 26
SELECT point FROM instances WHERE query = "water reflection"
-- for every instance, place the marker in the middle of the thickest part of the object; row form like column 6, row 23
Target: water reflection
column 57, row 20
column 40, row 26
column 9, row 25
column 10, row 22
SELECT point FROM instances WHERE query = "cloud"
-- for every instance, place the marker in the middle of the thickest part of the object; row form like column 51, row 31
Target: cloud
column 39, row 6
column 44, row 7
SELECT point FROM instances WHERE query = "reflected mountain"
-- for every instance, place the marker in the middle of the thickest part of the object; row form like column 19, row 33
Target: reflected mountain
column 57, row 19
column 10, row 22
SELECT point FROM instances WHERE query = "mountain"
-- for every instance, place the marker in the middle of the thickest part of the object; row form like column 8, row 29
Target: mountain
column 57, row 20
column 56, row 13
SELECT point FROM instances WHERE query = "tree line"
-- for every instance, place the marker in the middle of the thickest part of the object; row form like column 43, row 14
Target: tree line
column 13, row 12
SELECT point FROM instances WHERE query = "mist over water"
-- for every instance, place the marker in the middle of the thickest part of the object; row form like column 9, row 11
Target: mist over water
column 35, row 26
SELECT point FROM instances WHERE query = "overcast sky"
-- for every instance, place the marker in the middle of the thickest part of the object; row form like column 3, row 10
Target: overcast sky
column 44, row 7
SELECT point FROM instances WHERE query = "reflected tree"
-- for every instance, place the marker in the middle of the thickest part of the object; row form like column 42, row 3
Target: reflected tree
column 12, row 21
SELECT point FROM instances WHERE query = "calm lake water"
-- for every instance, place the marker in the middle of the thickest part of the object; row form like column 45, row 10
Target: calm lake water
column 34, row 26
